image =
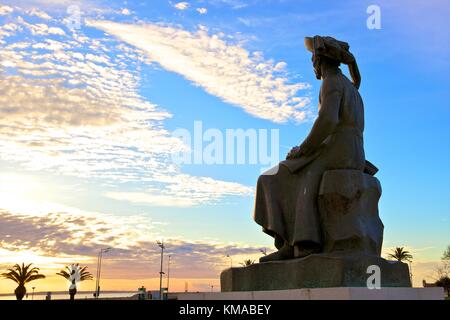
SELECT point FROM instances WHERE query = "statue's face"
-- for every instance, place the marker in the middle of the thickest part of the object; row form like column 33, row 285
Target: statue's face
column 316, row 65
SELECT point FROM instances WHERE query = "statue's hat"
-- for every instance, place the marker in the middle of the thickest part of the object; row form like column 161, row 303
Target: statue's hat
column 336, row 50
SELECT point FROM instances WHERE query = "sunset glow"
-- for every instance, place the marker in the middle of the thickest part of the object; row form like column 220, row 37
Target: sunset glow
column 89, row 105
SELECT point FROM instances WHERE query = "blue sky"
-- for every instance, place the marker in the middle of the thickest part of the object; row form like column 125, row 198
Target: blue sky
column 111, row 155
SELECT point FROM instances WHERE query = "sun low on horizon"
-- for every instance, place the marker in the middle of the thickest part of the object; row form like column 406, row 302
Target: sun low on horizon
column 120, row 125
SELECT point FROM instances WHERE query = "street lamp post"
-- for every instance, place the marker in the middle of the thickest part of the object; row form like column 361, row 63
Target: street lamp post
column 231, row 260
column 99, row 269
column 168, row 274
column 161, row 245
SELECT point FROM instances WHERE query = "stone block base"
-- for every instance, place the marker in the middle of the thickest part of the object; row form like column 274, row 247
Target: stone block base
column 314, row 271
column 348, row 206
column 319, row 294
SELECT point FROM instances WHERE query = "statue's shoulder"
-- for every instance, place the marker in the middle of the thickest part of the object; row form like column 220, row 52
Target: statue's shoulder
column 332, row 83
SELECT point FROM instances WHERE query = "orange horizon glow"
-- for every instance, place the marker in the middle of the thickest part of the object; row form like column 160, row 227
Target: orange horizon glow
column 58, row 284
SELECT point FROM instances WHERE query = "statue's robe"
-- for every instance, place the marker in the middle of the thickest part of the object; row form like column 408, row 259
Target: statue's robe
column 286, row 202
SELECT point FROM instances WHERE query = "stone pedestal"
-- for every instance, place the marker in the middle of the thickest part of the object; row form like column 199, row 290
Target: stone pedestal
column 352, row 234
column 315, row 271
column 319, row 294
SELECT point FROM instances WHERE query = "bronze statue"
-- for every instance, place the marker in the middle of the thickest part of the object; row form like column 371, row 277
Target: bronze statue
column 286, row 202
column 321, row 203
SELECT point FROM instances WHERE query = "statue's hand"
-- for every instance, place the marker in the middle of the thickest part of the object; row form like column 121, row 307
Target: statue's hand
column 305, row 148
column 294, row 153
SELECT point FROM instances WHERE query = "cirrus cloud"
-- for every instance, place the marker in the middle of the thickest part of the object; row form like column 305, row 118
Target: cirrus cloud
column 72, row 106
column 67, row 235
column 181, row 5
column 225, row 70
column 4, row 10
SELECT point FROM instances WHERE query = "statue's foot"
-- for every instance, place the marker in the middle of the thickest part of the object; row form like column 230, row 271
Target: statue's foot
column 286, row 252
column 304, row 250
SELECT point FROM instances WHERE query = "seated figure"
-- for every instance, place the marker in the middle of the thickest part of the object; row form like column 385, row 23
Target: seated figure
column 286, row 200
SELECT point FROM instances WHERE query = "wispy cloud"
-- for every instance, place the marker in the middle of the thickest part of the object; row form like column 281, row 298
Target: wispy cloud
column 181, row 5
column 241, row 78
column 183, row 191
column 70, row 104
column 38, row 13
column 233, row 4
column 58, row 238
column 4, row 10
column 125, row 12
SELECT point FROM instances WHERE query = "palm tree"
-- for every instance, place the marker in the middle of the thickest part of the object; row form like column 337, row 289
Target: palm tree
column 74, row 274
column 22, row 275
column 247, row 262
column 400, row 254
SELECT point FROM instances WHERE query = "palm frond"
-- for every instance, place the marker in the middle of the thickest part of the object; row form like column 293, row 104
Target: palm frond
column 22, row 274
column 86, row 277
column 64, row 274
column 400, row 254
column 11, row 277
column 84, row 274
column 12, row 274
column 247, row 262
column 36, row 277
column 31, row 273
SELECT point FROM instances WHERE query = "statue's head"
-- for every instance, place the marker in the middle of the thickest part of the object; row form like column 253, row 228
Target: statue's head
column 328, row 50
column 319, row 60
